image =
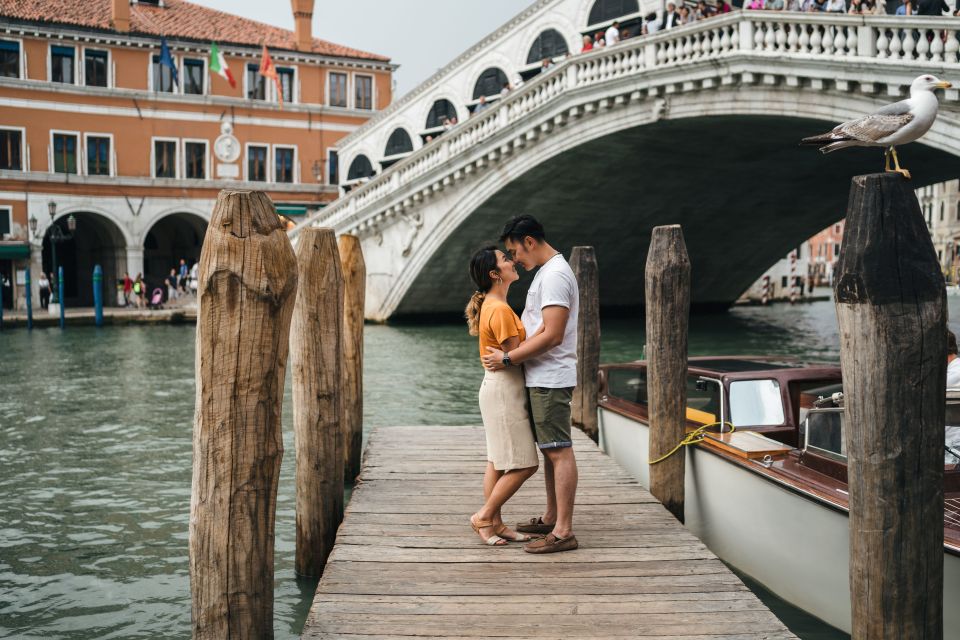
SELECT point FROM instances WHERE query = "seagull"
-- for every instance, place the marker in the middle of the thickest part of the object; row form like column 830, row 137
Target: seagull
column 893, row 125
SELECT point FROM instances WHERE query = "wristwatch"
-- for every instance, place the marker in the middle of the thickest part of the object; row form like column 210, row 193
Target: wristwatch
column 506, row 359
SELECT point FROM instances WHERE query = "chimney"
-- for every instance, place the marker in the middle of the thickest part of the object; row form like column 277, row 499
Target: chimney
column 120, row 14
column 302, row 18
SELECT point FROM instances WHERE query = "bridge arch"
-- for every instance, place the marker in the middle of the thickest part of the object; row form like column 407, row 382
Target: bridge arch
column 604, row 11
column 489, row 83
column 444, row 105
column 174, row 235
column 360, row 168
column 399, row 144
column 549, row 43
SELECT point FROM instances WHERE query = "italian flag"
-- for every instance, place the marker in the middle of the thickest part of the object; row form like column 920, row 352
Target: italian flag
column 219, row 66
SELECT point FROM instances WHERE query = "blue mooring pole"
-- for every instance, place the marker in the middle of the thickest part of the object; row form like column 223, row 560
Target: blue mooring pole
column 98, row 294
column 29, row 303
column 63, row 319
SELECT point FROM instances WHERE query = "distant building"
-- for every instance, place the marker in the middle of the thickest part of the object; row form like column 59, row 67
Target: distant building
column 940, row 204
column 95, row 125
column 824, row 251
column 788, row 279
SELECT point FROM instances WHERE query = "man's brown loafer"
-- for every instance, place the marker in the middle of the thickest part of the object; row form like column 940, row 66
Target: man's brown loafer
column 534, row 525
column 552, row 544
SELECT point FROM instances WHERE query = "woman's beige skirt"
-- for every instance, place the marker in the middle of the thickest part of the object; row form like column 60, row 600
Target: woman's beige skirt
column 503, row 406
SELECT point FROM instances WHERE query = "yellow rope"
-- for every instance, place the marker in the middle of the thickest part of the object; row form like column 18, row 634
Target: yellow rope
column 693, row 437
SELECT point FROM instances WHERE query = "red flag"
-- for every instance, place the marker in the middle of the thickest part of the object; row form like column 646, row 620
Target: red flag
column 268, row 70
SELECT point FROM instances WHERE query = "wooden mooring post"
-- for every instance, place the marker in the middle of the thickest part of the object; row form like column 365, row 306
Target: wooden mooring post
column 667, row 285
column 248, row 282
column 583, row 261
column 354, row 301
column 316, row 354
column 891, row 307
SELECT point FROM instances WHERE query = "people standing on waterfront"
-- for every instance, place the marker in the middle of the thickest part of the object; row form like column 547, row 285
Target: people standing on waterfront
column 549, row 357
column 182, row 275
column 194, row 277
column 127, row 288
column 138, row 290
column 511, row 451
column 44, row 286
column 172, row 281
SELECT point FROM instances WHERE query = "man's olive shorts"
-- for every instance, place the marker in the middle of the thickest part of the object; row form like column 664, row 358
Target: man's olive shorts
column 550, row 414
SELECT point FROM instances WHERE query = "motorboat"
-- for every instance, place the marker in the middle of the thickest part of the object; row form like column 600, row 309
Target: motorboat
column 769, row 497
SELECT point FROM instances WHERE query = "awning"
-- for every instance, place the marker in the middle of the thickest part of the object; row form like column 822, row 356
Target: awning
column 14, row 251
column 291, row 210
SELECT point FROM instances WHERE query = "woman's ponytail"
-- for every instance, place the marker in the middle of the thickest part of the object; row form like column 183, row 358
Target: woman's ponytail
column 472, row 312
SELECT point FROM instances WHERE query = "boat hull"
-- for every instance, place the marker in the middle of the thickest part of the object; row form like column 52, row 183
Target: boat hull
column 796, row 546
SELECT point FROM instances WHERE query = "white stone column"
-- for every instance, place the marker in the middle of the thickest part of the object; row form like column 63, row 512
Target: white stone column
column 36, row 269
column 134, row 261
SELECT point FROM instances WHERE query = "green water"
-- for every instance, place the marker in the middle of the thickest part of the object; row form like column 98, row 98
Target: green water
column 95, row 455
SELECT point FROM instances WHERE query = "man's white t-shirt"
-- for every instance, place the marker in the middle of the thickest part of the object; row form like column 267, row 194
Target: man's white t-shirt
column 554, row 285
column 612, row 36
column 953, row 374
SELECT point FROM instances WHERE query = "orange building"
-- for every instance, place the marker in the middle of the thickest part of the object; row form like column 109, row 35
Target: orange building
column 101, row 132
column 824, row 252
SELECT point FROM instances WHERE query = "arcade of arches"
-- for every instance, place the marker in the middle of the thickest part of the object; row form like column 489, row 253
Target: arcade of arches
column 98, row 240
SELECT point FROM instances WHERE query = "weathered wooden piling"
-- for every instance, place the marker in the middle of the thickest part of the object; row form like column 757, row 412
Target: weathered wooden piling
column 316, row 355
column 248, row 282
column 891, row 307
column 667, row 284
column 583, row 261
column 354, row 300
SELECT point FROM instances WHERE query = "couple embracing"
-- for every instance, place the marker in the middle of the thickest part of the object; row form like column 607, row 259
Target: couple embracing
column 530, row 370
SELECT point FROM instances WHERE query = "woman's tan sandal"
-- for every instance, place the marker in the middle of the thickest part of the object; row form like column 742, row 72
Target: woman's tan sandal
column 535, row 525
column 512, row 536
column 492, row 541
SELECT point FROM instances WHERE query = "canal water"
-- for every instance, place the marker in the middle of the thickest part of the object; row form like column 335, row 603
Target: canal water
column 95, row 457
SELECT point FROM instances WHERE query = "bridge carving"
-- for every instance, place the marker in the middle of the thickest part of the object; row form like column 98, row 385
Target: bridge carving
column 721, row 102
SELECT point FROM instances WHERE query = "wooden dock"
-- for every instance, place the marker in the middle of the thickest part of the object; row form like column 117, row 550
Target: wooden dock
column 406, row 562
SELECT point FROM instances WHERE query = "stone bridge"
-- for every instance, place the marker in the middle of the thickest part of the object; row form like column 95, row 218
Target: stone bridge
column 697, row 125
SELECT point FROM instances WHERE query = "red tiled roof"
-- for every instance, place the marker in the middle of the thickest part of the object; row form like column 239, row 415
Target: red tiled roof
column 176, row 19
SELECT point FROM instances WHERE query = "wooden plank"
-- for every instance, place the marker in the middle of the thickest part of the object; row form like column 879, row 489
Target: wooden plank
column 406, row 563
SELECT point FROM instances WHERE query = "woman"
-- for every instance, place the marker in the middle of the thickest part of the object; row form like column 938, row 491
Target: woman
column 511, row 451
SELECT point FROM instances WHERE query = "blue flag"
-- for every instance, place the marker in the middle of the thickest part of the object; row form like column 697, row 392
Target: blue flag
column 167, row 60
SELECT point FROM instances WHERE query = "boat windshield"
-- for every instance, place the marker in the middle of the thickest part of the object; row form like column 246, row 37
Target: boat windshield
column 951, row 452
column 825, row 433
column 756, row 403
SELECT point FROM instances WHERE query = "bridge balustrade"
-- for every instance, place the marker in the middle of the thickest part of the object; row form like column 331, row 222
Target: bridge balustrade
column 892, row 42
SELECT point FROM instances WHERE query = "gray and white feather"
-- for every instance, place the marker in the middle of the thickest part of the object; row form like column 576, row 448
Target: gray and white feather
column 893, row 125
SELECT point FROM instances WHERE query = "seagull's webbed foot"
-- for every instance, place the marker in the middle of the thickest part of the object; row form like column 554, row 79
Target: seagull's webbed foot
column 896, row 164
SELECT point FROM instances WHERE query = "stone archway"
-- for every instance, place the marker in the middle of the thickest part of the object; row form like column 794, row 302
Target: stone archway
column 174, row 237
column 96, row 240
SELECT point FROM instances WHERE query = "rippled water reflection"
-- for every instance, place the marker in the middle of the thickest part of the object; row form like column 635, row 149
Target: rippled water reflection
column 95, row 455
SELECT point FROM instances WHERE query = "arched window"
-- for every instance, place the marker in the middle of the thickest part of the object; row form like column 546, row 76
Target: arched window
column 360, row 168
column 440, row 110
column 398, row 143
column 548, row 44
column 604, row 10
column 489, row 83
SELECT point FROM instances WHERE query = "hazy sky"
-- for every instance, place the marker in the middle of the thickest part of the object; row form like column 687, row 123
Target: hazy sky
column 419, row 35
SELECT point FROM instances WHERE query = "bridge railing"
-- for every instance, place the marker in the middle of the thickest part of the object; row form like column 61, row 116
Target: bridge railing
column 895, row 40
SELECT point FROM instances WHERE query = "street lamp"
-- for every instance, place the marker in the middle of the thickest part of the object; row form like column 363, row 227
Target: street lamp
column 56, row 236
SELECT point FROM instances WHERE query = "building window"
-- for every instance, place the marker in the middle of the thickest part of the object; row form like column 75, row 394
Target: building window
column 95, row 64
column 286, row 84
column 283, row 167
column 164, row 158
column 11, row 150
column 195, row 160
column 62, row 64
column 363, row 92
column 958, row 210
column 942, row 206
column 256, row 163
column 338, row 89
column 549, row 44
column 836, row 250
column 440, row 111
column 65, row 153
column 398, row 143
column 6, row 221
column 604, row 10
column 9, row 59
column 360, row 168
column 256, row 85
column 193, row 76
column 333, row 168
column 162, row 77
column 490, row 83
column 98, row 155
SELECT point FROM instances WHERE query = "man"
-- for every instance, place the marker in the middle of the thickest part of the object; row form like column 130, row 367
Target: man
column 952, row 434
column 549, row 357
column 672, row 19
column 932, row 8
column 612, row 36
column 183, row 275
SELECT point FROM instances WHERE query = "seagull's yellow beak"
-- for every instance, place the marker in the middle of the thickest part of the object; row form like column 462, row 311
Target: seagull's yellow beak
column 943, row 85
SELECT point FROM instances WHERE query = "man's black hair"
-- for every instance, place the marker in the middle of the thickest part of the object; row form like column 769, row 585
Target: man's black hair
column 519, row 227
